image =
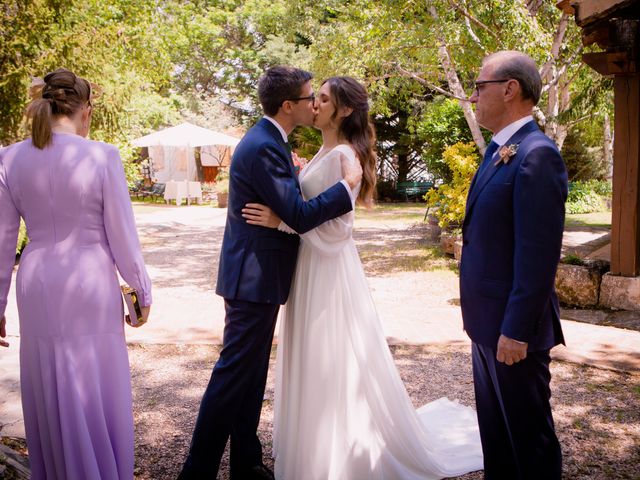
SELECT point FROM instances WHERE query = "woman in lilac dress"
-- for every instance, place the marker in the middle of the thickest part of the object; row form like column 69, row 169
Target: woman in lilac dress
column 74, row 368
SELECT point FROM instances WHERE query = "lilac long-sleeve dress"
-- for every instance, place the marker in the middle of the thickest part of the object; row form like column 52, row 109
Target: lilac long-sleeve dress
column 74, row 368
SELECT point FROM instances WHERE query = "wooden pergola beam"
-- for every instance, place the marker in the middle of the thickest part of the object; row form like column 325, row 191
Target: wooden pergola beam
column 590, row 11
column 625, row 228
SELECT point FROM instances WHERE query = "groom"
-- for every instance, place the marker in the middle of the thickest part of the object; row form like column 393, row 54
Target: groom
column 255, row 272
column 512, row 239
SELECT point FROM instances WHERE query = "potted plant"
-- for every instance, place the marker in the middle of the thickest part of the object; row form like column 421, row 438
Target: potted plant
column 222, row 187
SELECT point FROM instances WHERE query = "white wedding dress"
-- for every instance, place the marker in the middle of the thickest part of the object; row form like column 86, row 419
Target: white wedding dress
column 341, row 409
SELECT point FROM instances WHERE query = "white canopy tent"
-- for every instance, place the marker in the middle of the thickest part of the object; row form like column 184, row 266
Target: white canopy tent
column 171, row 150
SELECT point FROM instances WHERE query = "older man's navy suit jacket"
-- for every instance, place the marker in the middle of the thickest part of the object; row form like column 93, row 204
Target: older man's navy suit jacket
column 512, row 237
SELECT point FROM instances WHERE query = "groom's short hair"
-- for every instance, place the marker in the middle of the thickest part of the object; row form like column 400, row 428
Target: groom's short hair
column 279, row 84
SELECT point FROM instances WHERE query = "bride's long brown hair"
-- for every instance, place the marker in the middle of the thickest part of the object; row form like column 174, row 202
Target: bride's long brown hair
column 356, row 129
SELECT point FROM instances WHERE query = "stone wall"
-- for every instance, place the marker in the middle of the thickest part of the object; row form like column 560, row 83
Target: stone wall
column 590, row 285
column 578, row 285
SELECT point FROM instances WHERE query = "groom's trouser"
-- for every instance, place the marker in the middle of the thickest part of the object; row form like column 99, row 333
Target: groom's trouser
column 232, row 402
column 514, row 414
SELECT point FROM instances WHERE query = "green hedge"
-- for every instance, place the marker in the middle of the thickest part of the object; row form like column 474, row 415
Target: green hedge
column 589, row 196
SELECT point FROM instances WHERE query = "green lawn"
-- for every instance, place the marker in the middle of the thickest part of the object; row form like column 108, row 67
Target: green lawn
column 597, row 219
column 414, row 212
column 410, row 212
column 405, row 212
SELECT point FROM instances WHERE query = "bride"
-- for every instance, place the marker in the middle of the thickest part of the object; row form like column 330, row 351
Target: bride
column 341, row 409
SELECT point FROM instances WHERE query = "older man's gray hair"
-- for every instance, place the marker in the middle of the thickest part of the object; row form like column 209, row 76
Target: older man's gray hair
column 520, row 67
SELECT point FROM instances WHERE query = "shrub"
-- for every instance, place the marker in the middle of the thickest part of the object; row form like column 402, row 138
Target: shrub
column 222, row 181
column 601, row 187
column 23, row 240
column 450, row 199
column 385, row 189
column 588, row 196
column 582, row 160
column 572, row 259
column 440, row 125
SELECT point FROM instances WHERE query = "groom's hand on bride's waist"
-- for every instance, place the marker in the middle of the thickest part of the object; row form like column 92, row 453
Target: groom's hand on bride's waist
column 510, row 351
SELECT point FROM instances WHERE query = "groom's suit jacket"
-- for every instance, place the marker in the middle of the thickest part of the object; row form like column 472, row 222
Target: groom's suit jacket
column 512, row 237
column 257, row 263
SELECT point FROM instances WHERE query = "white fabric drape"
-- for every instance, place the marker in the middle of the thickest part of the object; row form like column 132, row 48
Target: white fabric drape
column 172, row 163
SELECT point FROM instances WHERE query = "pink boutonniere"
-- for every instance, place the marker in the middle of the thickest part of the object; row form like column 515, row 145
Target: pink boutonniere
column 506, row 153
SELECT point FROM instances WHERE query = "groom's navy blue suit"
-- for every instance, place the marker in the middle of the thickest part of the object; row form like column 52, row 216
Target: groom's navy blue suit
column 512, row 237
column 254, row 277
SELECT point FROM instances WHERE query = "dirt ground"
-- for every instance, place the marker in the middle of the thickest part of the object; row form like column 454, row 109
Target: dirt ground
column 596, row 411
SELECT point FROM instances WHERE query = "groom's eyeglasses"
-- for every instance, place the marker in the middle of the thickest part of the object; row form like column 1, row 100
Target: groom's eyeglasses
column 480, row 83
column 311, row 97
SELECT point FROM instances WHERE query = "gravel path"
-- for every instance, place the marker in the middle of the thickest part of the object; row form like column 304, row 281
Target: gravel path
column 596, row 412
column 413, row 285
column 415, row 290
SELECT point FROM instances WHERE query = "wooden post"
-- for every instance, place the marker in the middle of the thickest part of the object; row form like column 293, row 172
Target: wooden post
column 625, row 228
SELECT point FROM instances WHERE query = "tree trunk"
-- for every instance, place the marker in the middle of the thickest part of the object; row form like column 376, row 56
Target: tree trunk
column 198, row 160
column 558, row 38
column 608, row 145
column 456, row 87
column 551, row 124
column 533, row 6
column 403, row 166
column 555, row 77
column 564, row 102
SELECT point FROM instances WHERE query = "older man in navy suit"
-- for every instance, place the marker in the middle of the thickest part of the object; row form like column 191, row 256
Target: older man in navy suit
column 255, row 273
column 512, row 236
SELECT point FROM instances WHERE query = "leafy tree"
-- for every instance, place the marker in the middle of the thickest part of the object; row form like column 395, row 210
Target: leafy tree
column 159, row 60
column 583, row 162
column 107, row 42
column 441, row 124
column 439, row 45
column 23, row 36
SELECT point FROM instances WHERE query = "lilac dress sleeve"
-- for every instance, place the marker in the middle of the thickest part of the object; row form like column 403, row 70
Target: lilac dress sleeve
column 9, row 225
column 121, row 230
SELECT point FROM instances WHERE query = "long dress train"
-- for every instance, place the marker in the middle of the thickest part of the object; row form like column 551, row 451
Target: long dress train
column 341, row 409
